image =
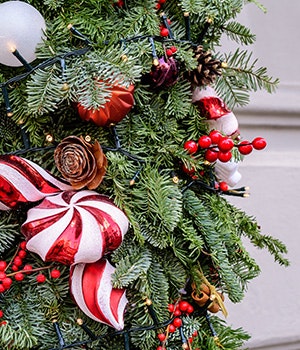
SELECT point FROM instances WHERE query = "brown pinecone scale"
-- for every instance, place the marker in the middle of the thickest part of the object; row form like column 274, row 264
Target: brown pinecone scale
column 207, row 70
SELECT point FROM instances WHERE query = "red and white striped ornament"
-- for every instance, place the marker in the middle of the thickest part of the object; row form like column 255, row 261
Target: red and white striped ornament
column 213, row 108
column 92, row 290
column 23, row 181
column 228, row 172
column 74, row 227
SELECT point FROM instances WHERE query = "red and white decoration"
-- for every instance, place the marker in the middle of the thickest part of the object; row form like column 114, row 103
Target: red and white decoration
column 74, row 227
column 23, row 181
column 91, row 287
column 218, row 115
column 228, row 172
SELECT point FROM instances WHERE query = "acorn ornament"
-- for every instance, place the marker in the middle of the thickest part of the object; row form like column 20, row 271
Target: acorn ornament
column 116, row 107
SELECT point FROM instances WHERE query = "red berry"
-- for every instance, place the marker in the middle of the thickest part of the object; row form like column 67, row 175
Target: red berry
column 169, row 52
column 172, row 328
column 215, row 136
column 211, row 155
column 161, row 1
column 190, row 340
column 158, row 6
column 3, row 323
column 160, row 348
column 191, row 146
column 1, row 314
column 245, row 147
column 3, row 265
column 225, row 144
column 2, row 289
column 161, row 336
column 224, row 157
column 27, row 268
column 164, row 32
column 40, row 278
column 177, row 312
column 171, row 307
column 259, row 143
column 195, row 333
column 190, row 309
column 15, row 268
column 2, row 275
column 22, row 254
column 18, row 261
column 19, row 276
column 55, row 273
column 188, row 171
column 223, row 186
column 183, row 305
column 204, row 141
column 23, row 245
column 7, row 282
column 173, row 49
column 177, row 322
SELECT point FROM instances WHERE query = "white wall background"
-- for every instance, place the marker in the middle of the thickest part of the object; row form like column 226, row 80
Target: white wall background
column 270, row 312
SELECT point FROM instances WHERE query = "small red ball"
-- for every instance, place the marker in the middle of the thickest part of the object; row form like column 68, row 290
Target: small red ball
column 164, row 32
column 177, row 322
column 169, row 52
column 27, row 268
column 173, row 49
column 1, row 314
column 19, row 276
column 190, row 309
column 191, row 146
column 23, row 245
column 259, row 143
column 211, row 155
column 204, row 141
column 7, row 282
column 245, row 147
column 40, row 278
column 161, row 336
column 2, row 275
column 172, row 328
column 177, row 312
column 215, row 136
column 223, row 186
column 225, row 144
column 171, row 307
column 224, row 157
column 15, row 268
column 161, row 1
column 22, row 254
column 183, row 305
column 55, row 273
column 195, row 333
column 3, row 265
column 18, row 261
column 2, row 288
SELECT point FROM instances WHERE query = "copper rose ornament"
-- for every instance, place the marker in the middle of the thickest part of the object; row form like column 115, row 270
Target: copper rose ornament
column 80, row 163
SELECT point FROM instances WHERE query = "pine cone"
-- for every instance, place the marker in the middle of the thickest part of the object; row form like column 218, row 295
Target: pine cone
column 207, row 70
column 80, row 163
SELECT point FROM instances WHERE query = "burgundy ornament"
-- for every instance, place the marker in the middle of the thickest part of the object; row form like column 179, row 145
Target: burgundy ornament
column 114, row 110
column 74, row 227
column 92, row 290
column 164, row 74
column 23, row 181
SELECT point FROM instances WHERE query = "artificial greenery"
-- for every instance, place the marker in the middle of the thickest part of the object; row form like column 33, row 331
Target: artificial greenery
column 176, row 229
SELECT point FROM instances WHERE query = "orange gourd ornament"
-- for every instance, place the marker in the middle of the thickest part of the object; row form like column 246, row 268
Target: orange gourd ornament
column 114, row 110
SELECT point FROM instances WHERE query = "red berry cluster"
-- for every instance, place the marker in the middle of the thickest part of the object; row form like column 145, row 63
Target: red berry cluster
column 18, row 269
column 219, row 147
column 177, row 310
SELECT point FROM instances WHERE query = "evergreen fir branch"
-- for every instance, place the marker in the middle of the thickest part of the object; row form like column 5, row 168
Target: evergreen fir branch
column 9, row 230
column 239, row 33
column 258, row 4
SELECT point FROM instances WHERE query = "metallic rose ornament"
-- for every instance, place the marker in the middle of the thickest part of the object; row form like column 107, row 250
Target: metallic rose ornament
column 81, row 163
column 114, row 110
column 23, row 181
column 91, row 288
column 74, row 227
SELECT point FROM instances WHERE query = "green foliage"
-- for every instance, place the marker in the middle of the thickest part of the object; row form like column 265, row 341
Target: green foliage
column 176, row 230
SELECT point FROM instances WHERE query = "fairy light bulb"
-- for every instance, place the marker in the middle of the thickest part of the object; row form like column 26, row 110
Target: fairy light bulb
column 21, row 30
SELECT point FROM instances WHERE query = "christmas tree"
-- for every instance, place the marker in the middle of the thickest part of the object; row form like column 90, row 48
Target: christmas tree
column 119, row 151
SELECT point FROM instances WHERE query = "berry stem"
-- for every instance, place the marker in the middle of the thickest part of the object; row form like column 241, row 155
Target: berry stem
column 12, row 259
column 27, row 271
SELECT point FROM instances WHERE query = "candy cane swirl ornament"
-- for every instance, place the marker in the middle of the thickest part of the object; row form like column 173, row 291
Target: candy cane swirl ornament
column 74, row 227
column 213, row 108
column 23, row 181
column 92, row 290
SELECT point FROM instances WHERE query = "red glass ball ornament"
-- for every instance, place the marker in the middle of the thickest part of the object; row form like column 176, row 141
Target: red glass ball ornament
column 224, row 156
column 40, row 278
column 245, row 147
column 161, row 336
column 259, row 143
column 225, row 144
column 114, row 110
column 191, row 146
column 215, row 136
column 223, row 186
column 164, row 32
column 55, row 273
column 177, row 322
column 204, row 141
column 19, row 276
column 183, row 305
column 3, row 265
column 211, row 155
